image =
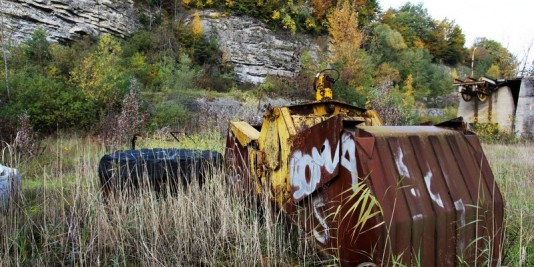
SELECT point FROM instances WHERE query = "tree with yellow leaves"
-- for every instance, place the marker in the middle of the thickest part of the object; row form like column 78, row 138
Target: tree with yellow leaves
column 345, row 41
column 409, row 91
column 196, row 26
column 100, row 76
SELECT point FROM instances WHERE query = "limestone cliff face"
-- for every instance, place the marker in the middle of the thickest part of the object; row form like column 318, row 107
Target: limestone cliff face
column 65, row 20
column 249, row 45
column 253, row 49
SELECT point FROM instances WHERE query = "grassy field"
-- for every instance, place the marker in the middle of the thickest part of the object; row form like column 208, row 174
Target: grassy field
column 513, row 167
column 61, row 218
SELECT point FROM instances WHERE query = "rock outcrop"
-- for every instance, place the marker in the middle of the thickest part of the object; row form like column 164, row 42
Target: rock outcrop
column 253, row 49
column 66, row 20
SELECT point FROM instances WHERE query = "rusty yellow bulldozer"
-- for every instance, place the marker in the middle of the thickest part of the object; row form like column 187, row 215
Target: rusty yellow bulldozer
column 368, row 193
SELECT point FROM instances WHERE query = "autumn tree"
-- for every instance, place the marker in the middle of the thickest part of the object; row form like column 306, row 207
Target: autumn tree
column 196, row 26
column 367, row 11
column 417, row 62
column 412, row 21
column 345, row 41
column 489, row 52
column 321, row 7
column 386, row 44
column 408, row 94
column 100, row 75
column 446, row 42
column 386, row 74
column 444, row 39
column 493, row 72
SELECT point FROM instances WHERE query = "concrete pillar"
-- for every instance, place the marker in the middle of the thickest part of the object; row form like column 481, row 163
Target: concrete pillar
column 524, row 116
column 500, row 110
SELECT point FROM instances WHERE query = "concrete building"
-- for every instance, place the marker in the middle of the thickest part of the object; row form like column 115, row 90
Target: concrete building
column 509, row 104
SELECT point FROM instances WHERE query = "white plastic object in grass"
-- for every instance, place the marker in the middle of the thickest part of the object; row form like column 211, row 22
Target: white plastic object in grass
column 10, row 181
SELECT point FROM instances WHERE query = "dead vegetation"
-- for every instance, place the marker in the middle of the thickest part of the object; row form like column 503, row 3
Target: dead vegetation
column 61, row 218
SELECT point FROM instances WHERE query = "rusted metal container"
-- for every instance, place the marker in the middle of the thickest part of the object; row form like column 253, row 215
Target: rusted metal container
column 366, row 193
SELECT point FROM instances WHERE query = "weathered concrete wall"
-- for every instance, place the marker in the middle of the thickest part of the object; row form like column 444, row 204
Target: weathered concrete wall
column 525, row 108
column 501, row 111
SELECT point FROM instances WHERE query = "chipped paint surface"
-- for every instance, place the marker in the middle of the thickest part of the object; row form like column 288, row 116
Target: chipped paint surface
column 459, row 205
column 414, row 192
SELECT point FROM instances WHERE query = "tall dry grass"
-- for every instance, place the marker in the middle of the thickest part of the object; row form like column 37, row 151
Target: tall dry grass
column 61, row 219
column 513, row 167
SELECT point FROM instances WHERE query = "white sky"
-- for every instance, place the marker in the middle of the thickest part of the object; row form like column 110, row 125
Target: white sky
column 509, row 22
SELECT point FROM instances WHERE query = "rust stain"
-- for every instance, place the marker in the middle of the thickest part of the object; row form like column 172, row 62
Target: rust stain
column 433, row 194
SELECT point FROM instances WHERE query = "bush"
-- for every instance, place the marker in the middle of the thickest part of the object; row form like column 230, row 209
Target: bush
column 116, row 130
column 49, row 103
column 278, row 87
column 492, row 133
column 345, row 93
column 169, row 115
column 449, row 114
column 177, row 76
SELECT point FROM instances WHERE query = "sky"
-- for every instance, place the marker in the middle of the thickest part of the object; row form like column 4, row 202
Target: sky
column 509, row 22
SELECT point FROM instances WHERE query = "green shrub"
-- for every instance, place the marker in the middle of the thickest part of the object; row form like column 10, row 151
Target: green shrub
column 49, row 103
column 140, row 42
column 37, row 48
column 345, row 93
column 449, row 114
column 492, row 133
column 277, row 87
column 177, row 76
column 169, row 115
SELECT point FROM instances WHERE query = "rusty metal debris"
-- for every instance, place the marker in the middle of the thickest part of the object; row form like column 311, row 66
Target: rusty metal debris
column 367, row 193
column 481, row 87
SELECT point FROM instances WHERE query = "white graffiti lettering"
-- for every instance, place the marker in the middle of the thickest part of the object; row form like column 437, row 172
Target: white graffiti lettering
column 414, row 192
column 299, row 163
column 321, row 236
column 459, row 206
column 435, row 197
column 305, row 170
column 399, row 160
column 348, row 158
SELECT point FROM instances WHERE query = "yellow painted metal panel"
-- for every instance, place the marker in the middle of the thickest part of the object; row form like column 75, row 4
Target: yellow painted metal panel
column 244, row 132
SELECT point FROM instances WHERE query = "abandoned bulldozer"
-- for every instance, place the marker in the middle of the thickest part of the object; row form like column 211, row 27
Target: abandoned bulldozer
column 368, row 193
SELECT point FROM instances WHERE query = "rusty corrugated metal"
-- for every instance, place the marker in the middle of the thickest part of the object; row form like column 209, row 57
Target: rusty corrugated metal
column 450, row 196
column 434, row 198
column 314, row 157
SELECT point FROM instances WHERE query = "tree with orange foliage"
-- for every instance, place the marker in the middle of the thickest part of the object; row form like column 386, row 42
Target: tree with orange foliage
column 196, row 26
column 321, row 7
column 345, row 42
